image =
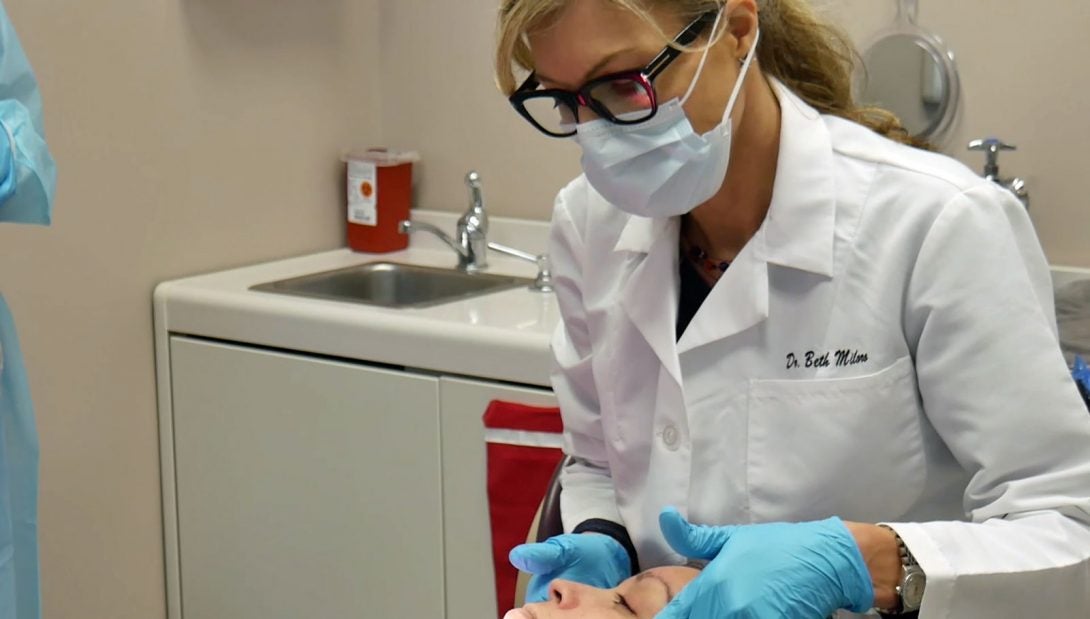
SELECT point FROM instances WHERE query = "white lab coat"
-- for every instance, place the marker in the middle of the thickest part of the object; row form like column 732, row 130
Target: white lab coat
column 883, row 349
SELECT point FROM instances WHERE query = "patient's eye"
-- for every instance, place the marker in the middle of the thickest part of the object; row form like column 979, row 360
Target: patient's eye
column 623, row 603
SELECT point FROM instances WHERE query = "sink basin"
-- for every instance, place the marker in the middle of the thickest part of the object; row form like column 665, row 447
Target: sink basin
column 390, row 284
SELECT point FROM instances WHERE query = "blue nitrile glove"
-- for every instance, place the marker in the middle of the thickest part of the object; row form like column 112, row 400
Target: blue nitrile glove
column 768, row 571
column 1081, row 374
column 589, row 558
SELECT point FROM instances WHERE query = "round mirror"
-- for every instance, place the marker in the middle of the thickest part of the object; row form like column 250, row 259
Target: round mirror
column 911, row 73
column 905, row 77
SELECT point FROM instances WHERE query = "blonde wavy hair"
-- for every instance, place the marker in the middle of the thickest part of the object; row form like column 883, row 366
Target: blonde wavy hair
column 814, row 58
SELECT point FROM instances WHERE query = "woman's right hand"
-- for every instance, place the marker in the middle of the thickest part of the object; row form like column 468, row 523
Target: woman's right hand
column 589, row 558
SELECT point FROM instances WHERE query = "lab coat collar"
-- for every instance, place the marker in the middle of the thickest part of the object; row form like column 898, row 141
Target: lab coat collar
column 640, row 233
column 799, row 229
column 649, row 297
column 738, row 301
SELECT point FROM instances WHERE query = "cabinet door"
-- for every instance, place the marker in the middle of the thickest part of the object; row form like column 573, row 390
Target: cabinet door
column 471, row 591
column 306, row 487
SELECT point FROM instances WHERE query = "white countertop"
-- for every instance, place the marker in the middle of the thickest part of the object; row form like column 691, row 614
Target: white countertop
column 502, row 336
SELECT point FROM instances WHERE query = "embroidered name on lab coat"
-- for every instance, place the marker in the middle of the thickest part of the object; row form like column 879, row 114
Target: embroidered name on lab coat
column 812, row 359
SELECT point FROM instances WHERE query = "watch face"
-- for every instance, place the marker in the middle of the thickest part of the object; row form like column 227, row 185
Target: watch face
column 912, row 590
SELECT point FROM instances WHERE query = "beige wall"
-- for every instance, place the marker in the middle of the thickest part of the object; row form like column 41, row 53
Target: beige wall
column 190, row 136
column 1024, row 80
column 196, row 135
column 438, row 96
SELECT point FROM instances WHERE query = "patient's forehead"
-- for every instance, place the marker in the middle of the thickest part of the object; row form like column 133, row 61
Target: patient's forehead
column 676, row 577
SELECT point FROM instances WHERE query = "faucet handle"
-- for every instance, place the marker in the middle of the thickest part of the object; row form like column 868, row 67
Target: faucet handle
column 473, row 181
column 475, row 217
column 991, row 147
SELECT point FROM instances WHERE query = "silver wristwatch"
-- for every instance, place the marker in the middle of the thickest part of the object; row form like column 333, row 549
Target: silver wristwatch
column 912, row 583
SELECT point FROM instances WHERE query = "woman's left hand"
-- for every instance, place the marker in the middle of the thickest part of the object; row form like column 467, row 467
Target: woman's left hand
column 768, row 571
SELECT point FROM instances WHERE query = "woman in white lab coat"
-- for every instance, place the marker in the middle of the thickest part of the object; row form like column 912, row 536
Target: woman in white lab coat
column 777, row 310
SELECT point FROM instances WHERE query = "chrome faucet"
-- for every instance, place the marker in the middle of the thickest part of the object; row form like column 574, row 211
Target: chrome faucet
column 471, row 242
column 473, row 223
column 992, row 147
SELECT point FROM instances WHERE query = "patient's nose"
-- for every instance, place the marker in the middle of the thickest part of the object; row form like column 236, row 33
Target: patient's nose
column 566, row 594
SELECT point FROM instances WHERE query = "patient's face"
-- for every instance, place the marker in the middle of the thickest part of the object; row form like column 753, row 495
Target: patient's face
column 640, row 597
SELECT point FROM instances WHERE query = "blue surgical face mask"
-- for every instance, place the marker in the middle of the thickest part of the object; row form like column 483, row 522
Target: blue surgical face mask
column 662, row 167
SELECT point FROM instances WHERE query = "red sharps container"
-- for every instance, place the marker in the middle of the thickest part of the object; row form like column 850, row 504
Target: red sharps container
column 380, row 188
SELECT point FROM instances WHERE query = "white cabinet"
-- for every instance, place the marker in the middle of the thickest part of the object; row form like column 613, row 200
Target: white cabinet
column 305, row 487
column 309, row 487
column 467, row 541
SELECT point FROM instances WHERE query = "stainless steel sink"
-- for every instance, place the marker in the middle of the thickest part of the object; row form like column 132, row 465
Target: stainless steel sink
column 393, row 285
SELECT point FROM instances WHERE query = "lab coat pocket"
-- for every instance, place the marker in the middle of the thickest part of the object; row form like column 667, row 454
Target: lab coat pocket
column 850, row 447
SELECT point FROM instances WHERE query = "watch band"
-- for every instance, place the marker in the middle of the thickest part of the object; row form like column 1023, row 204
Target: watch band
column 617, row 532
column 909, row 565
column 909, row 615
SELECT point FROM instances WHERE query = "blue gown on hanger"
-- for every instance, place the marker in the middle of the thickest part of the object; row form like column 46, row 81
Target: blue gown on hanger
column 27, row 182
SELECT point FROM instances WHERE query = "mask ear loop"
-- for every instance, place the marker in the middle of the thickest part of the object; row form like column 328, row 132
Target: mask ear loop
column 704, row 56
column 741, row 78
